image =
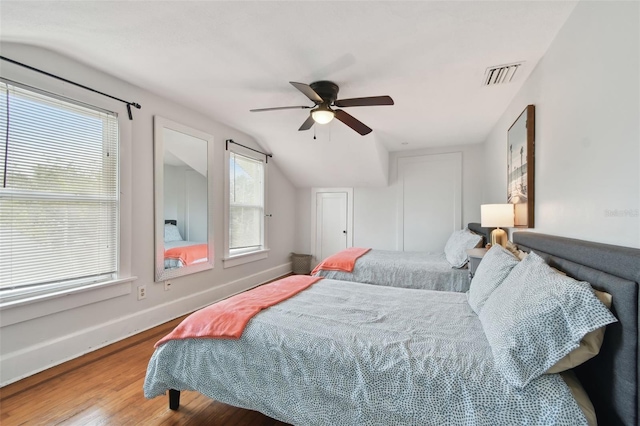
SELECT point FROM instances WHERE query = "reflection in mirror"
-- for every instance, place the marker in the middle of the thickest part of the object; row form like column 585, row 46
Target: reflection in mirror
column 184, row 237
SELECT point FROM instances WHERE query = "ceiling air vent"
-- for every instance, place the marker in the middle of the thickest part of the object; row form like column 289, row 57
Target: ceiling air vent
column 501, row 74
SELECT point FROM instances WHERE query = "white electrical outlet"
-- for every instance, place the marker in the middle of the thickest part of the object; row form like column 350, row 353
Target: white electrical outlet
column 167, row 285
column 142, row 292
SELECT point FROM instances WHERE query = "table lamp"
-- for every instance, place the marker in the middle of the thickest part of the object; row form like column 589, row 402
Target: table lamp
column 497, row 215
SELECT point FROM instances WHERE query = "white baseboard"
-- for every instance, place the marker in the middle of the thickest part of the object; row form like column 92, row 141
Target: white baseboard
column 34, row 359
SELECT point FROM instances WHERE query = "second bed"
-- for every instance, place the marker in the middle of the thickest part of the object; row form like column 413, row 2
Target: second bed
column 419, row 270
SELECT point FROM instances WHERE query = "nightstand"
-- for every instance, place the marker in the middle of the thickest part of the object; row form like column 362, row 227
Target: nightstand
column 475, row 256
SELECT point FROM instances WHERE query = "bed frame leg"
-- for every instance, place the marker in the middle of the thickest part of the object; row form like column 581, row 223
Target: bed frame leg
column 174, row 399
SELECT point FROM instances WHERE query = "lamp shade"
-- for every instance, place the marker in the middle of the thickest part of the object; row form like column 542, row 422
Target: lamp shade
column 496, row 215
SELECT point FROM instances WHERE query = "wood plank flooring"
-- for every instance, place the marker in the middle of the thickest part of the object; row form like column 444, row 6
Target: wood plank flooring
column 104, row 387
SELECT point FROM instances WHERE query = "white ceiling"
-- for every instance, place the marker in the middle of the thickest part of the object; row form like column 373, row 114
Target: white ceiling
column 224, row 58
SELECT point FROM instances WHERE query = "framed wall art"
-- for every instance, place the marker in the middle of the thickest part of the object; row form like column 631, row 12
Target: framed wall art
column 521, row 167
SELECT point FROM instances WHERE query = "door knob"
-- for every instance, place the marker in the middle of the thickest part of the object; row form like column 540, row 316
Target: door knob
column 344, row 232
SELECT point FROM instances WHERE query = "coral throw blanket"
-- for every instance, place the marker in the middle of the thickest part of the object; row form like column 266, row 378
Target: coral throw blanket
column 188, row 255
column 228, row 318
column 341, row 261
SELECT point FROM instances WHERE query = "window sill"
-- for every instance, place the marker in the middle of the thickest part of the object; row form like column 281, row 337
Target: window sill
column 35, row 306
column 240, row 259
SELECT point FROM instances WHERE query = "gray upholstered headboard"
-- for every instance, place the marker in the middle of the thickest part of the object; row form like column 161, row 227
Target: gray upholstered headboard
column 611, row 378
column 478, row 229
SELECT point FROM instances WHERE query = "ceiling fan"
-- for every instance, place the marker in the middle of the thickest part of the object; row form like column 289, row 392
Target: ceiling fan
column 324, row 94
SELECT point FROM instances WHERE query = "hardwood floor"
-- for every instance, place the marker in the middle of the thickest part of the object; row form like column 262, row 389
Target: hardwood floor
column 104, row 387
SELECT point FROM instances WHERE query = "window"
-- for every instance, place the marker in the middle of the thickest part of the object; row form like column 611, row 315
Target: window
column 245, row 207
column 59, row 205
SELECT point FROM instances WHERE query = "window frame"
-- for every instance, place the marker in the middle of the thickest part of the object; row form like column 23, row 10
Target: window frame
column 230, row 259
column 52, row 300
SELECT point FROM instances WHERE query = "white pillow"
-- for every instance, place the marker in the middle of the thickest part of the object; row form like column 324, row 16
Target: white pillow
column 171, row 233
column 457, row 245
column 494, row 268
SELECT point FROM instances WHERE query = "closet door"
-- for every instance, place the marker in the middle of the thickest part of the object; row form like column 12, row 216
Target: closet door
column 430, row 201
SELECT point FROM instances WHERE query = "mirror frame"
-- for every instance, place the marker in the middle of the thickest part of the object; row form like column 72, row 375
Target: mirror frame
column 524, row 212
column 159, row 124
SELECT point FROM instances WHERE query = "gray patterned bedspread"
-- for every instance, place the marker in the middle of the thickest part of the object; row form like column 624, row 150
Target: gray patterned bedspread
column 428, row 271
column 362, row 355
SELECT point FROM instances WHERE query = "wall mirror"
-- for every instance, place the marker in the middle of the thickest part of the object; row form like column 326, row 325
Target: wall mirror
column 521, row 167
column 183, row 164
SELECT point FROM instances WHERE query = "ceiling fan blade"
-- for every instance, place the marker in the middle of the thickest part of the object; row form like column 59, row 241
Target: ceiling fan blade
column 279, row 108
column 370, row 101
column 307, row 124
column 308, row 91
column 352, row 122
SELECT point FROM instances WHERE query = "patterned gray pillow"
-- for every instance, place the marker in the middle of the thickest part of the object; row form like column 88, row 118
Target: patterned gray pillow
column 536, row 317
column 457, row 245
column 171, row 233
column 494, row 268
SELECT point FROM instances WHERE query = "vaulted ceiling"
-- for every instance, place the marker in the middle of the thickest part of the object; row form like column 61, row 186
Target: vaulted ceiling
column 225, row 58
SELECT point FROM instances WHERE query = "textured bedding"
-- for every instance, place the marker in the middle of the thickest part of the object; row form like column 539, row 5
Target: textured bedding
column 228, row 318
column 181, row 253
column 344, row 260
column 350, row 355
column 421, row 270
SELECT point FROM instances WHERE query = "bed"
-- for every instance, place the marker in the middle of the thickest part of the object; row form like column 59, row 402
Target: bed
column 424, row 365
column 611, row 378
column 421, row 270
column 179, row 252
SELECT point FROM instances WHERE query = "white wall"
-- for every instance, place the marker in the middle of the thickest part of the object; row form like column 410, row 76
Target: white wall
column 303, row 221
column 587, row 96
column 35, row 344
column 375, row 209
column 375, row 221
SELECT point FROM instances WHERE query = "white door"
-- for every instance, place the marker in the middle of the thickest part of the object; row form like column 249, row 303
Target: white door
column 331, row 223
column 431, row 200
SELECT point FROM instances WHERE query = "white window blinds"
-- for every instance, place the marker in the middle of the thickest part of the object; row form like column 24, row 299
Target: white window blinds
column 246, row 204
column 58, row 192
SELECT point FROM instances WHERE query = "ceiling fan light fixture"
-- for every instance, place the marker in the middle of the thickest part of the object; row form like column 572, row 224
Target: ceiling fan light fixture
column 322, row 115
